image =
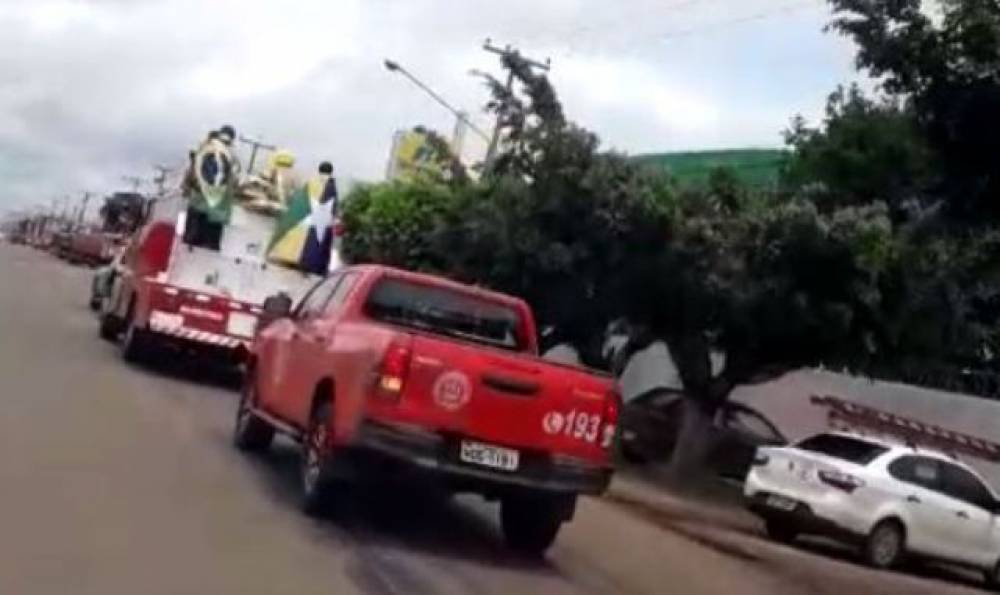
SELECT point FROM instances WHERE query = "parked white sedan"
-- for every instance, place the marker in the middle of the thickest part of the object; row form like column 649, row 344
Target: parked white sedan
column 889, row 499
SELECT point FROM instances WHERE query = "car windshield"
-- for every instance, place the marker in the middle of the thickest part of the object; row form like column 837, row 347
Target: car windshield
column 445, row 311
column 850, row 449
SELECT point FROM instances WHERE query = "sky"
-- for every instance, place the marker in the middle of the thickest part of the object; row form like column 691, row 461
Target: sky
column 95, row 90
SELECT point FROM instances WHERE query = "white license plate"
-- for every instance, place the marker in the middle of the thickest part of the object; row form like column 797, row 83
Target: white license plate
column 241, row 325
column 780, row 502
column 486, row 455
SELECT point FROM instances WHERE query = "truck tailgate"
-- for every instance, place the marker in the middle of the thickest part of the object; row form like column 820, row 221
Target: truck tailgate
column 507, row 398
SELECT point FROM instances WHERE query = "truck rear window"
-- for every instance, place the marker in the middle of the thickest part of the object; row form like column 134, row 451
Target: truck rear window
column 846, row 448
column 444, row 311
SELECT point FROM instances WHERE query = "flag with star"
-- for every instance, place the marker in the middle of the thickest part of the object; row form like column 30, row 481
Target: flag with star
column 303, row 237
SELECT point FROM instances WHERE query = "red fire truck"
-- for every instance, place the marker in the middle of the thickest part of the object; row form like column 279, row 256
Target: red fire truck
column 186, row 283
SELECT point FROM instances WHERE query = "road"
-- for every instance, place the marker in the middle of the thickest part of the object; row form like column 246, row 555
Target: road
column 119, row 480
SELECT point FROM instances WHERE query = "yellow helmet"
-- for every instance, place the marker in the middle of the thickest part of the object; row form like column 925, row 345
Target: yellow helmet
column 283, row 158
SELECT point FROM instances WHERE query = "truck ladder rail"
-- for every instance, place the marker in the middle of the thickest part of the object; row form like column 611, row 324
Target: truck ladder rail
column 850, row 415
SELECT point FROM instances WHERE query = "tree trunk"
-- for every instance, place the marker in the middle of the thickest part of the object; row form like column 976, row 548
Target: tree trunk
column 693, row 441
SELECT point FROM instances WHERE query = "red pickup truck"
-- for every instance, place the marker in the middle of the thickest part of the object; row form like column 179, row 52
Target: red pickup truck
column 378, row 369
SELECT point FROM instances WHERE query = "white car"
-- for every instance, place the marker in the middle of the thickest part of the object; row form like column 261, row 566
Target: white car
column 889, row 499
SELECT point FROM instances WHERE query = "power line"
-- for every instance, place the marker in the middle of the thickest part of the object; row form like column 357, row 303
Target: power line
column 757, row 16
column 634, row 41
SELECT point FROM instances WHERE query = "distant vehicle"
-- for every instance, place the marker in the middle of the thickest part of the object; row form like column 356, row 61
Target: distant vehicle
column 103, row 281
column 422, row 377
column 193, row 285
column 93, row 248
column 892, row 500
column 651, row 422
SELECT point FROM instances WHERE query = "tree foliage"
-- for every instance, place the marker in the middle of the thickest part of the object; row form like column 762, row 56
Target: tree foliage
column 866, row 150
column 948, row 73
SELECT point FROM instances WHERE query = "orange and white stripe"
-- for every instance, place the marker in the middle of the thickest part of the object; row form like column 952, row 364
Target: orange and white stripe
column 196, row 335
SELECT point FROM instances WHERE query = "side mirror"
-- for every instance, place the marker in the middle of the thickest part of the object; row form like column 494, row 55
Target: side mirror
column 275, row 307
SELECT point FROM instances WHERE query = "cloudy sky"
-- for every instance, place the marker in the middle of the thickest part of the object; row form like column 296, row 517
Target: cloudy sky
column 91, row 91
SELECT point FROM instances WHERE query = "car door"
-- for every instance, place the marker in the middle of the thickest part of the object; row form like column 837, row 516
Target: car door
column 280, row 371
column 973, row 523
column 741, row 431
column 314, row 335
column 929, row 511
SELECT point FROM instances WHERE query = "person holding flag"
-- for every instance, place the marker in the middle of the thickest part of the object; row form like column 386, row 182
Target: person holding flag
column 212, row 178
column 303, row 237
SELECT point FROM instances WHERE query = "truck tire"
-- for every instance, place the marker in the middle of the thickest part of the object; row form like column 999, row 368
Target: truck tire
column 530, row 523
column 108, row 328
column 317, row 483
column 136, row 343
column 251, row 433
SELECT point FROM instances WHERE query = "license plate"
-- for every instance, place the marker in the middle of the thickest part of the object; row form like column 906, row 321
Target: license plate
column 241, row 325
column 486, row 455
column 780, row 502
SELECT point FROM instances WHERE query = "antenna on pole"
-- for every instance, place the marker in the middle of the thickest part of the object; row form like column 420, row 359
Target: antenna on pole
column 256, row 144
column 506, row 53
column 161, row 178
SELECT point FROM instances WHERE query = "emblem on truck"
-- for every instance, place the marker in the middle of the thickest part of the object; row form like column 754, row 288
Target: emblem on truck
column 452, row 390
column 553, row 422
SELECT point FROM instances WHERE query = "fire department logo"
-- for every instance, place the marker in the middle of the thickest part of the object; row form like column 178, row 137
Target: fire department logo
column 452, row 390
column 553, row 422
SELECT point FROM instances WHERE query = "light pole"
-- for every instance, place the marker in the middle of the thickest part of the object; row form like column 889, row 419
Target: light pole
column 459, row 114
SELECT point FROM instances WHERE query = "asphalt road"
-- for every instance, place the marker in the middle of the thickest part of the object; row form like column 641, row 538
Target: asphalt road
column 118, row 480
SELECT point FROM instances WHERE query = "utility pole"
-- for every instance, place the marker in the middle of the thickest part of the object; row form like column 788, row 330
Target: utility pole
column 508, row 52
column 135, row 181
column 83, row 208
column 256, row 144
column 161, row 179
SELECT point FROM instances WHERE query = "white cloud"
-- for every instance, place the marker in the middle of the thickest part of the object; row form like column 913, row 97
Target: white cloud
column 93, row 90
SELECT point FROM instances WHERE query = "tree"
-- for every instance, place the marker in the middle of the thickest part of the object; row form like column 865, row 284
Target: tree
column 866, row 150
column 949, row 76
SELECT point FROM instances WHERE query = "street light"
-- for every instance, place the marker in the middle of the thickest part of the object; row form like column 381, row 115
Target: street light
column 462, row 117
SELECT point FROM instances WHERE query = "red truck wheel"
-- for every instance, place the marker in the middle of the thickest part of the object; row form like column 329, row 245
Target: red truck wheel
column 137, row 344
column 251, row 434
column 530, row 523
column 108, row 328
column 317, row 485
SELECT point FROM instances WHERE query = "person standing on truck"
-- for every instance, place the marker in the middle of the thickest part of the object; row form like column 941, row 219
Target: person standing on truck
column 303, row 237
column 215, row 171
column 209, row 188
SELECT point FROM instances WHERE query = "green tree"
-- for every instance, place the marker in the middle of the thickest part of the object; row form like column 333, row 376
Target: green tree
column 865, row 151
column 948, row 73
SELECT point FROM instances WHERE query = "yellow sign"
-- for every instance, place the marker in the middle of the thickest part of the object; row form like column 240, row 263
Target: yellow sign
column 412, row 154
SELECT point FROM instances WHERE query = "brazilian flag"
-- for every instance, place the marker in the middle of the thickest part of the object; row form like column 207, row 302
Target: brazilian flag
column 213, row 194
column 303, row 237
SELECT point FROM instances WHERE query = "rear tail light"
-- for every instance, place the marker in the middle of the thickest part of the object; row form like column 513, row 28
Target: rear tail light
column 612, row 410
column 760, row 459
column 394, row 369
column 841, row 481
